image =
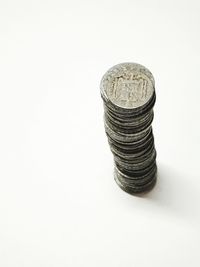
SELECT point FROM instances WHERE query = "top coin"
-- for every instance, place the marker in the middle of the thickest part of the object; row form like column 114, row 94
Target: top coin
column 127, row 85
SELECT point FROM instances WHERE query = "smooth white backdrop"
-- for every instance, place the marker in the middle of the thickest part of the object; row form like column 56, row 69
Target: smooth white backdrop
column 59, row 204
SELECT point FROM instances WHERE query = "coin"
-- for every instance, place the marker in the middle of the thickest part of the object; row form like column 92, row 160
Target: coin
column 134, row 188
column 128, row 85
column 128, row 93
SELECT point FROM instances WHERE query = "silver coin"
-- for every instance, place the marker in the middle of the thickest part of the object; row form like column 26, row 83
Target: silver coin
column 125, row 137
column 128, row 85
column 134, row 142
column 135, row 189
column 128, row 93
column 134, row 181
column 133, row 155
column 134, row 176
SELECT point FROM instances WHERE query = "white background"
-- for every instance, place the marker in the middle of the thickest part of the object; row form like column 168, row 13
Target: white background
column 59, row 203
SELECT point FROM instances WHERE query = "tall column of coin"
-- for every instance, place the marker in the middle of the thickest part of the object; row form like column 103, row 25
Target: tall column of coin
column 128, row 93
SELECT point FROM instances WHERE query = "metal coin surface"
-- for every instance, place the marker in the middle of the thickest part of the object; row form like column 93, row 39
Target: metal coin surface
column 128, row 93
column 128, row 85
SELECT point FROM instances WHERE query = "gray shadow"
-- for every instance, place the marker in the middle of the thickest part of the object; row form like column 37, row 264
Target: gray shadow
column 176, row 192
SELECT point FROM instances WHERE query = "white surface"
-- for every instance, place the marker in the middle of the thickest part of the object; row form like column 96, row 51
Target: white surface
column 59, row 204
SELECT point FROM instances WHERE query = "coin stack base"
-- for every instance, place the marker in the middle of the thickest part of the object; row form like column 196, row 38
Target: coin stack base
column 134, row 190
column 128, row 93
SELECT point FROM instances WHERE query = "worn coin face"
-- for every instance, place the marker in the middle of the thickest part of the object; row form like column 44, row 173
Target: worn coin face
column 127, row 85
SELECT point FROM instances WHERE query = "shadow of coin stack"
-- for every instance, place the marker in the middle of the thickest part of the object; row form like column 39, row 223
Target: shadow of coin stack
column 128, row 93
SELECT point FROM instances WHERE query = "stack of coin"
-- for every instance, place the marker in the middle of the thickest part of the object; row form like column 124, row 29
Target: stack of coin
column 128, row 93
